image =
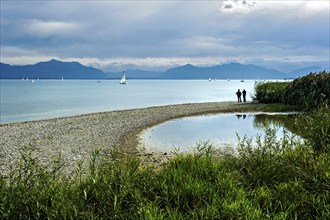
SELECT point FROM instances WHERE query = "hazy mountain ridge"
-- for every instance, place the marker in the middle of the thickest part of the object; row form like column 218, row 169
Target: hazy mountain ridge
column 298, row 72
column 55, row 69
column 226, row 71
column 52, row 69
column 223, row 71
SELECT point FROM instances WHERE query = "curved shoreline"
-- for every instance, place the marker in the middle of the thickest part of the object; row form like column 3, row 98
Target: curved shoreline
column 74, row 138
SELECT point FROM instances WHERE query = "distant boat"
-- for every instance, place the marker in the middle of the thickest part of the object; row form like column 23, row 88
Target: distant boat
column 210, row 79
column 32, row 81
column 242, row 80
column 123, row 78
column 62, row 78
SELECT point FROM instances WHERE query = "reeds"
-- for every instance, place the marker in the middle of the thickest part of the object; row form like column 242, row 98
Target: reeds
column 270, row 92
column 270, row 178
column 309, row 92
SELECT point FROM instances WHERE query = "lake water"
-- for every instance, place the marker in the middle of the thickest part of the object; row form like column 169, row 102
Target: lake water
column 22, row 100
column 221, row 130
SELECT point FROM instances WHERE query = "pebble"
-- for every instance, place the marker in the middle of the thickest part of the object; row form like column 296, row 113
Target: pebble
column 74, row 138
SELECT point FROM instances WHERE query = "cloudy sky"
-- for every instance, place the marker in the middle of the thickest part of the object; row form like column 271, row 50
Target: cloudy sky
column 160, row 34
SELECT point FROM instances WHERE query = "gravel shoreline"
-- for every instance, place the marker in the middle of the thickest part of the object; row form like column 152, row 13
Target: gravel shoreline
column 74, row 138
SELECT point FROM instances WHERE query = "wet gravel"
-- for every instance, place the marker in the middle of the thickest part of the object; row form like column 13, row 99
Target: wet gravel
column 74, row 138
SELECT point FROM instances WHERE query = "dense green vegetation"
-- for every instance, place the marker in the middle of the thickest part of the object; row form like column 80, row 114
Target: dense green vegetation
column 309, row 91
column 267, row 179
column 270, row 92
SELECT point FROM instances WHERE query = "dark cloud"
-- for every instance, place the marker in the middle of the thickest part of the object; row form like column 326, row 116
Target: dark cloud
column 169, row 31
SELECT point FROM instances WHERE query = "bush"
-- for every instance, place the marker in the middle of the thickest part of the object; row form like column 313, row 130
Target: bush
column 270, row 92
column 309, row 91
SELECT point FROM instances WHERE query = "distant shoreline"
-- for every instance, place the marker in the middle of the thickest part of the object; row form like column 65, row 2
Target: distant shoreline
column 75, row 137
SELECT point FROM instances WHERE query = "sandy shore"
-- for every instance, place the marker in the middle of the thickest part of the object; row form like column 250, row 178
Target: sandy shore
column 74, row 138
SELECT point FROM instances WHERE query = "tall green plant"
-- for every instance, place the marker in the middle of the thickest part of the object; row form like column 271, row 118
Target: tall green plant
column 318, row 129
column 283, row 174
column 309, row 91
column 270, row 92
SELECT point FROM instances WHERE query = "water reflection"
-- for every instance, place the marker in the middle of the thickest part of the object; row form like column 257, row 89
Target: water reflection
column 221, row 130
column 240, row 116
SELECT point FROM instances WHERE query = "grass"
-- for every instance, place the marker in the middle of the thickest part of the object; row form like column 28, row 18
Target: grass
column 268, row 179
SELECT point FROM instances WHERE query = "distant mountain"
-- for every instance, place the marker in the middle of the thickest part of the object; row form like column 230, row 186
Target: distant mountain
column 224, row 71
column 55, row 69
column 305, row 71
column 52, row 69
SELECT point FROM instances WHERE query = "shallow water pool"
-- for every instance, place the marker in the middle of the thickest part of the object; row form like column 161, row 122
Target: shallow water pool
column 221, row 130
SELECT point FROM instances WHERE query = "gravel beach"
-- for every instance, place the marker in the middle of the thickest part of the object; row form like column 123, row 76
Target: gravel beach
column 74, row 138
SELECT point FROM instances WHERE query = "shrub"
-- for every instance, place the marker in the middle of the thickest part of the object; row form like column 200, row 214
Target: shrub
column 270, row 92
column 309, row 91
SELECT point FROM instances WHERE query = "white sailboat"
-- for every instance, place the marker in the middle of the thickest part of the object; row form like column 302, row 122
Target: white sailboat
column 123, row 78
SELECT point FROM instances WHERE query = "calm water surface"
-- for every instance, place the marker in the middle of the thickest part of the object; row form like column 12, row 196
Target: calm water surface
column 22, row 100
column 221, row 130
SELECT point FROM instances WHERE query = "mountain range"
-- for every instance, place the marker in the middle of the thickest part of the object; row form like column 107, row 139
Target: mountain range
column 55, row 69
column 224, row 71
column 52, row 69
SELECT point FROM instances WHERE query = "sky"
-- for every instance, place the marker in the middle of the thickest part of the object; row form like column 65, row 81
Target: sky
column 157, row 35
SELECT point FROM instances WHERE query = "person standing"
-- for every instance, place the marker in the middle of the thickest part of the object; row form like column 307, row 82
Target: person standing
column 244, row 95
column 239, row 94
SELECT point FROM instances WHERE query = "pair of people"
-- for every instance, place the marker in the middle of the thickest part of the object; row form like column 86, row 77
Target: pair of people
column 239, row 94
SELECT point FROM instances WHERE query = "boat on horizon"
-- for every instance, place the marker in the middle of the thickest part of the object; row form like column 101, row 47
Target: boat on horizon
column 123, row 78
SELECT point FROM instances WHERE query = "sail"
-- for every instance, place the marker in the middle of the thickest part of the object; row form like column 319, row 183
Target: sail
column 123, row 78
